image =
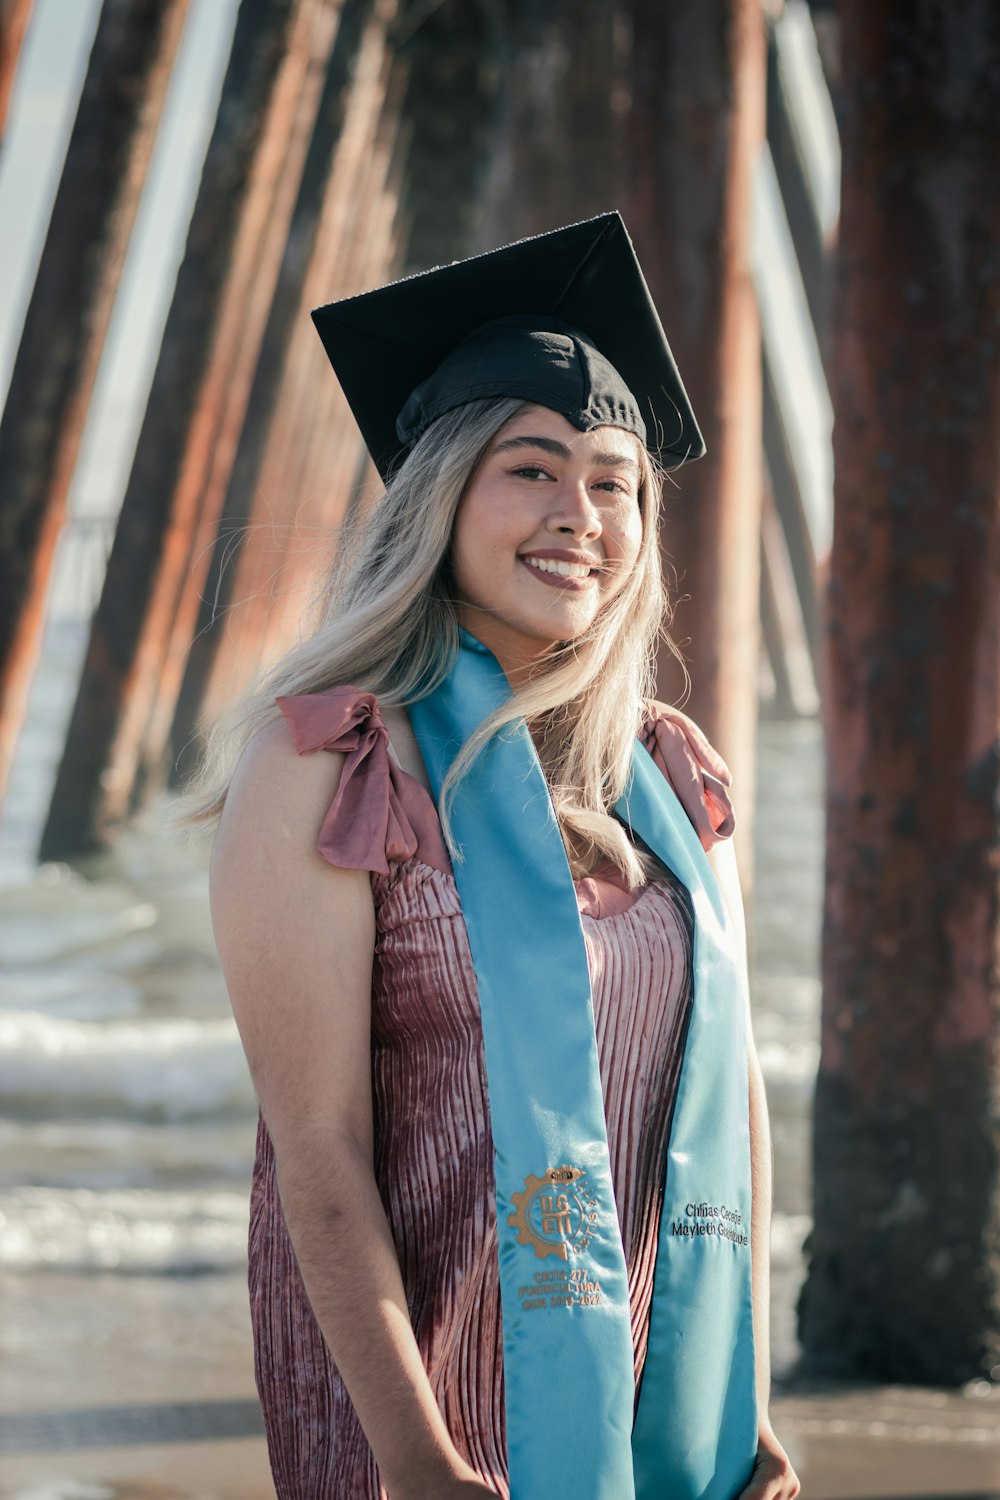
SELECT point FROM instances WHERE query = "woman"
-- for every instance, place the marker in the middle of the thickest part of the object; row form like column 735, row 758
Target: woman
column 481, row 970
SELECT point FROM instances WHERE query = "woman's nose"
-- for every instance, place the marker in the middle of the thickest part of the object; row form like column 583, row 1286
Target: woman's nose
column 574, row 511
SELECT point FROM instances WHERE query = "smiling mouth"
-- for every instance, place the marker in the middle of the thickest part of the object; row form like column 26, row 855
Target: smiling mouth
column 553, row 570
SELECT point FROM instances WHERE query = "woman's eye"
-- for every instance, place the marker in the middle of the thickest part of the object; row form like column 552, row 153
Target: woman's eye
column 535, row 472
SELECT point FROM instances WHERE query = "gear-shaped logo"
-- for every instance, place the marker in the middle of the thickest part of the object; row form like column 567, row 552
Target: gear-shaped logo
column 556, row 1213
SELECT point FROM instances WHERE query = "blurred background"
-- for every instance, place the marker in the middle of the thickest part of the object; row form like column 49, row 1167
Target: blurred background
column 813, row 193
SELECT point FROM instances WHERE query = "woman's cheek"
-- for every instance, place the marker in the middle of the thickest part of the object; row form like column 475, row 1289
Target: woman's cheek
column 627, row 558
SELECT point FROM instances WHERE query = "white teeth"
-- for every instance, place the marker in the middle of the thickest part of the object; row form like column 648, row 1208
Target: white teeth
column 564, row 569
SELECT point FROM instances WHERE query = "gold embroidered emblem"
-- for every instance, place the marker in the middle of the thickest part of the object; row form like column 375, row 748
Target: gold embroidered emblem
column 556, row 1213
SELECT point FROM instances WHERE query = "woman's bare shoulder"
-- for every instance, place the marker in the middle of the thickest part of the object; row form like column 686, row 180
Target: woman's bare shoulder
column 276, row 789
column 295, row 939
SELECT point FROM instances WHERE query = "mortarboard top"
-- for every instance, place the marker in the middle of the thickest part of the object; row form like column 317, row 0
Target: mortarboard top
column 584, row 279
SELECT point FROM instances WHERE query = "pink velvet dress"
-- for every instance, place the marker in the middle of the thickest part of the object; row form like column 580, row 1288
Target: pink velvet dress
column 433, row 1146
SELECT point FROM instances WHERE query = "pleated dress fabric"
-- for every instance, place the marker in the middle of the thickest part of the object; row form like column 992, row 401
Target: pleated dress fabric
column 433, row 1146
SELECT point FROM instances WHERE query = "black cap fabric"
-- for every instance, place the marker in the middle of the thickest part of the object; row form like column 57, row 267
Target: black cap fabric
column 564, row 319
column 539, row 359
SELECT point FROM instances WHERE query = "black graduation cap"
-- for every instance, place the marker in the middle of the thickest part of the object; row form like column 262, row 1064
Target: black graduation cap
column 564, row 319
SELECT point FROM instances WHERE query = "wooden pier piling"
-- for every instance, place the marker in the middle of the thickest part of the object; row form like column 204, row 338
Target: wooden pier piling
column 68, row 317
column 695, row 126
column 196, row 407
column 14, row 18
column 904, row 1255
column 308, row 397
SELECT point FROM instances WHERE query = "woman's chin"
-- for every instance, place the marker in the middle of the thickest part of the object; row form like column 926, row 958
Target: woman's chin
column 524, row 640
column 543, row 634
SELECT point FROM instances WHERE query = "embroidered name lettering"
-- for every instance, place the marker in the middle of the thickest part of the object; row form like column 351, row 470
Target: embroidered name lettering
column 710, row 1220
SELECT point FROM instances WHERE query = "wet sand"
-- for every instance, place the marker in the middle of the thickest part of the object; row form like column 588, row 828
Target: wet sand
column 160, row 1405
column 149, row 1395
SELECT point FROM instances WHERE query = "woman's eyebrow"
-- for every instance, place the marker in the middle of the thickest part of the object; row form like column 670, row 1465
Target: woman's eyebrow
column 611, row 460
column 548, row 445
column 559, row 450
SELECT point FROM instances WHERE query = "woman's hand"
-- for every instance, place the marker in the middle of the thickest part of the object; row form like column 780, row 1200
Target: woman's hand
column 467, row 1486
column 697, row 773
column 773, row 1476
column 462, row 1489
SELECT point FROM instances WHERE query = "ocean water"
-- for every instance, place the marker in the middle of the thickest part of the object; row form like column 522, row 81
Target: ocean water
column 127, row 1114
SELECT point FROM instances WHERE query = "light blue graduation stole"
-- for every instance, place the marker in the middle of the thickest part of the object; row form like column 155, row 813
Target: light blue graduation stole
column 567, row 1343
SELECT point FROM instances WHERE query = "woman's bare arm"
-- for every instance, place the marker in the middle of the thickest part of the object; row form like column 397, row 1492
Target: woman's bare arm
column 296, row 939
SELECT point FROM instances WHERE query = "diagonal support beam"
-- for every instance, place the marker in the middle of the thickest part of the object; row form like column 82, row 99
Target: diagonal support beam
column 14, row 18
column 197, row 404
column 68, row 316
column 696, row 130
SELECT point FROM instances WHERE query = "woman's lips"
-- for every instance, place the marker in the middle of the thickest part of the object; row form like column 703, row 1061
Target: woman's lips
column 558, row 580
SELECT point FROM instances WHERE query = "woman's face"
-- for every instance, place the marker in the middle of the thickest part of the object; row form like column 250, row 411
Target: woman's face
column 547, row 532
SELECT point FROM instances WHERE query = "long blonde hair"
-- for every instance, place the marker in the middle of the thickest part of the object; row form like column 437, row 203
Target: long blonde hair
column 388, row 625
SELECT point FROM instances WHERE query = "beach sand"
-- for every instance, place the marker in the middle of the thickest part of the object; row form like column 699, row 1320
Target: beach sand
column 141, row 1388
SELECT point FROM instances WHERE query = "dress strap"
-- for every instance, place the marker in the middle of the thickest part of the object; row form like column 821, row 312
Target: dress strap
column 374, row 819
column 654, row 737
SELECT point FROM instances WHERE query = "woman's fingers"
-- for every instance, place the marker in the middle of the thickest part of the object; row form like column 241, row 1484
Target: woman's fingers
column 773, row 1476
column 770, row 1489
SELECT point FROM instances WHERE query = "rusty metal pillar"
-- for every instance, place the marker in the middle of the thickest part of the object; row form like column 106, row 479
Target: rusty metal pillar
column 308, row 391
column 283, row 327
column 319, row 449
column 325, row 453
column 14, row 18
column 793, row 69
column 904, row 1273
column 196, row 406
column 695, row 128
column 559, row 153
column 68, row 316
column 454, row 56
column 333, row 456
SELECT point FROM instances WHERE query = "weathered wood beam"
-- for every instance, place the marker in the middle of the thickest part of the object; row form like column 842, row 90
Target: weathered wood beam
column 797, row 416
column 284, row 327
column 196, row 407
column 333, row 456
column 796, row 693
column 453, row 58
column 802, row 134
column 559, row 152
column 308, row 392
column 14, row 18
column 332, row 452
column 904, row 1255
column 695, row 127
column 786, row 491
column 67, row 319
